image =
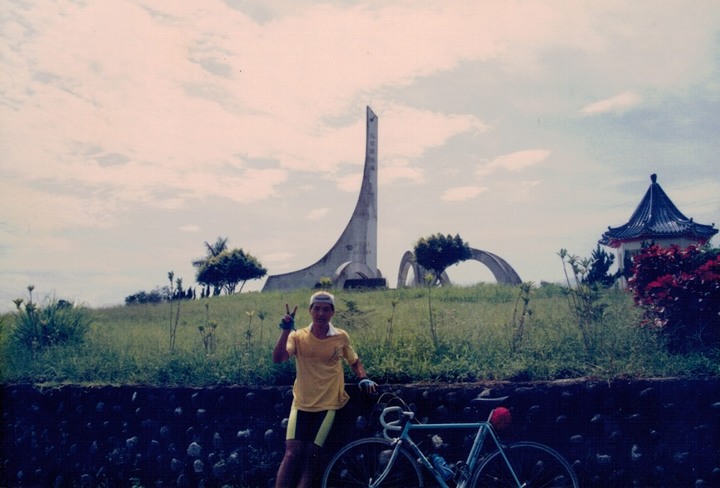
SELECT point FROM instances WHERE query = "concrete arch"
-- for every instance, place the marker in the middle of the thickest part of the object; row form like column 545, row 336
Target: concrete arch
column 501, row 270
column 407, row 263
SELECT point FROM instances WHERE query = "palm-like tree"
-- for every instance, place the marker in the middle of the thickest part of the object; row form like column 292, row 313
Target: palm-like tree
column 212, row 250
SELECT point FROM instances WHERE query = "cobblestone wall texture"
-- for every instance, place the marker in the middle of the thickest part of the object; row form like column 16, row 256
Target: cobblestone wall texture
column 619, row 433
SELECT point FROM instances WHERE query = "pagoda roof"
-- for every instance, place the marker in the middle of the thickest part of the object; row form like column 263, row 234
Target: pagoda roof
column 657, row 217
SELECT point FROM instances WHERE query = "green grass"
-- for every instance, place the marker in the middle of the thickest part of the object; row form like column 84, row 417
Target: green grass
column 130, row 345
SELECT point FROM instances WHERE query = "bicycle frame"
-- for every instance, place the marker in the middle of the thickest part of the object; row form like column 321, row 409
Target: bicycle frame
column 397, row 459
column 484, row 430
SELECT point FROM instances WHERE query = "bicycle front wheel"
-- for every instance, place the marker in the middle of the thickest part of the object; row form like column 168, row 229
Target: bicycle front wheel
column 362, row 462
column 534, row 465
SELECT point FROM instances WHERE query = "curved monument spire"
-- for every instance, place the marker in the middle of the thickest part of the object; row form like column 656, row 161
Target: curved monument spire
column 354, row 255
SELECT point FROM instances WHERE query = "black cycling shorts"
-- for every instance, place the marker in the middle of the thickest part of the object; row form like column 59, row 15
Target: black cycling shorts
column 310, row 426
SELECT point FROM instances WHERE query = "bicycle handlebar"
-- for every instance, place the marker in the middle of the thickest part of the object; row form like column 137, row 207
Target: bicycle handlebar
column 395, row 425
column 406, row 415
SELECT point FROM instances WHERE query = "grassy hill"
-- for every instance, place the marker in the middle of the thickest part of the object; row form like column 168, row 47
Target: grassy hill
column 481, row 334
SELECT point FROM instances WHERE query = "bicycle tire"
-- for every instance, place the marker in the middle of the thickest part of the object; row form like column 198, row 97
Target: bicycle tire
column 364, row 460
column 535, row 465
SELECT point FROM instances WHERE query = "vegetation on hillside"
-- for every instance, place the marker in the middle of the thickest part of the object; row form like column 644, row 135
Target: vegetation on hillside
column 221, row 269
column 228, row 340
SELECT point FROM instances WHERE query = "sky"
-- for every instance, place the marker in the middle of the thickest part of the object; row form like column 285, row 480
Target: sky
column 133, row 131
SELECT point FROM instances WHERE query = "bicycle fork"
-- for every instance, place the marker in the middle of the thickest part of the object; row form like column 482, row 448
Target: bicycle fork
column 388, row 466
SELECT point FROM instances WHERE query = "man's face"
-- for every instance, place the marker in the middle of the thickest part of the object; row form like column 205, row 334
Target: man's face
column 321, row 313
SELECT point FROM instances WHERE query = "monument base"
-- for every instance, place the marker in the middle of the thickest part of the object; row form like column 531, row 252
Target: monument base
column 370, row 283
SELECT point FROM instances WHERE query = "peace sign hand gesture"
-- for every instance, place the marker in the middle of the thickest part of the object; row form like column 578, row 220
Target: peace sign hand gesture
column 288, row 322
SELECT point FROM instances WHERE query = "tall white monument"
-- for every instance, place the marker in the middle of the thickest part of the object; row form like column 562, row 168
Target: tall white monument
column 354, row 255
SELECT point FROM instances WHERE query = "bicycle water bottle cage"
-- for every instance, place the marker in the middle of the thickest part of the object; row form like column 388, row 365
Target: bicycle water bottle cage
column 394, row 425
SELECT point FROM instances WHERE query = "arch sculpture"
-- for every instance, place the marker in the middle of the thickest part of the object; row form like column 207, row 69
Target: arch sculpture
column 501, row 270
column 407, row 263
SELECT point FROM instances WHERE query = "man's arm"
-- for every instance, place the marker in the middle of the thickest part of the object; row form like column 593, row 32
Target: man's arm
column 365, row 383
column 280, row 353
column 358, row 369
column 287, row 324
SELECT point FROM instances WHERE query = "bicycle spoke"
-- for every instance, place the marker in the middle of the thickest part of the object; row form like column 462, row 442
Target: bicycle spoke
column 363, row 462
column 534, row 465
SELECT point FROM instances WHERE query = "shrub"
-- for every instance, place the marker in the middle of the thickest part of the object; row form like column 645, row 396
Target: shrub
column 58, row 322
column 155, row 296
column 585, row 299
column 679, row 290
column 599, row 271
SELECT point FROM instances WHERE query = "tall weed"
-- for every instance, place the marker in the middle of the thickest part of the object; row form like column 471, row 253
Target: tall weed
column 56, row 322
column 584, row 299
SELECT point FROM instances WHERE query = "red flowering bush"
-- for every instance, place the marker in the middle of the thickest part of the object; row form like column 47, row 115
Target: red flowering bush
column 680, row 291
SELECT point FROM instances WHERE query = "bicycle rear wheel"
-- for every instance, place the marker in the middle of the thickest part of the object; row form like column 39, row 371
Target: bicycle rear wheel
column 363, row 461
column 534, row 464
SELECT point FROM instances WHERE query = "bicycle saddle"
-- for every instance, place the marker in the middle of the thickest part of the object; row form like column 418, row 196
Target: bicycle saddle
column 487, row 401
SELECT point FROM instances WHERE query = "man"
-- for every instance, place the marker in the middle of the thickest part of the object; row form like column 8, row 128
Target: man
column 319, row 389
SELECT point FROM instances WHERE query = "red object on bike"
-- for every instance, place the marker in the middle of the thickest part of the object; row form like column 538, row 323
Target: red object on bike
column 500, row 419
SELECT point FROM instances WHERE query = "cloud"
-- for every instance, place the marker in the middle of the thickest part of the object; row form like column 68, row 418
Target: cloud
column 408, row 132
column 221, row 113
column 278, row 257
column 399, row 172
column 514, row 162
column 317, row 214
column 521, row 191
column 617, row 104
column 350, row 183
column 462, row 193
column 189, row 228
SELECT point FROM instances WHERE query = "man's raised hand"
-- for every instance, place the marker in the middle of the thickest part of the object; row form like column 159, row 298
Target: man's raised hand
column 288, row 322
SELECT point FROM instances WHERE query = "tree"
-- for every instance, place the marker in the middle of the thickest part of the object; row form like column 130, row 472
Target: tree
column 155, row 296
column 228, row 269
column 437, row 252
column 599, row 272
column 212, row 250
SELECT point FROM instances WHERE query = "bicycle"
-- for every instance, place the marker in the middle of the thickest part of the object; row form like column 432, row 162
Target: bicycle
column 396, row 461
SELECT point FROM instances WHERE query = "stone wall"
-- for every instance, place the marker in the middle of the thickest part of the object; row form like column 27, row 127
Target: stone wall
column 621, row 433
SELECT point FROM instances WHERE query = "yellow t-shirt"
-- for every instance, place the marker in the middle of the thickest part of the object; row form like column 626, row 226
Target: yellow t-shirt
column 320, row 380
